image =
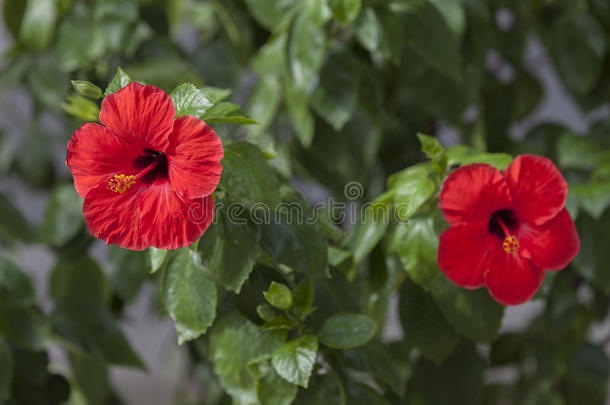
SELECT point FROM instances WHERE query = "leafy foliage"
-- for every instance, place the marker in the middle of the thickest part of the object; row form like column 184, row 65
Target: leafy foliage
column 280, row 301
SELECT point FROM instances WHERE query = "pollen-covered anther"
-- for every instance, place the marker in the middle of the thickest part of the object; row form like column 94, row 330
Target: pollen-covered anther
column 511, row 244
column 119, row 183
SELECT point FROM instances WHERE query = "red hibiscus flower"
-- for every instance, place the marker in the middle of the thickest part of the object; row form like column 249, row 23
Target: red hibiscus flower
column 506, row 228
column 146, row 177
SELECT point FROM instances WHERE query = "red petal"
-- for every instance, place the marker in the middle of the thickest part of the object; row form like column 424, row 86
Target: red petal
column 168, row 221
column 142, row 115
column 94, row 154
column 552, row 245
column 538, row 189
column 194, row 155
column 463, row 254
column 511, row 279
column 113, row 217
column 472, row 193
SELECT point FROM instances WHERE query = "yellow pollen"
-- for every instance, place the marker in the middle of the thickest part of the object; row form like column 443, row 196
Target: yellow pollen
column 119, row 183
column 511, row 244
column 485, row 273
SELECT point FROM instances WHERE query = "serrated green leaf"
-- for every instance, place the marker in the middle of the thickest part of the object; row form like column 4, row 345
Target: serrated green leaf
column 375, row 221
column 434, row 151
column 411, row 189
column 247, row 177
column 416, row 243
column 229, row 249
column 227, row 113
column 272, row 389
column 345, row 11
column 215, row 94
column 120, row 80
column 346, row 330
column 190, row 295
column 236, row 346
column 189, row 100
column 463, row 155
column 278, row 295
column 294, row 360
column 157, row 258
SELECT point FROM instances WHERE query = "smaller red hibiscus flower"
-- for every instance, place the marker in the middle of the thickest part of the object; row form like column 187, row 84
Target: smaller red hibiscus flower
column 146, row 177
column 506, row 228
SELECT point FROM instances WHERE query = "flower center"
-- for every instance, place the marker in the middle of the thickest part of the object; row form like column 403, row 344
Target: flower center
column 511, row 244
column 119, row 183
column 504, row 224
column 152, row 166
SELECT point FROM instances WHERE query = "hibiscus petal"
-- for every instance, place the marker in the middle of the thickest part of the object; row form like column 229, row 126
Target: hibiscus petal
column 194, row 154
column 463, row 256
column 552, row 245
column 142, row 115
column 472, row 193
column 95, row 153
column 511, row 279
column 113, row 217
column 538, row 189
column 169, row 221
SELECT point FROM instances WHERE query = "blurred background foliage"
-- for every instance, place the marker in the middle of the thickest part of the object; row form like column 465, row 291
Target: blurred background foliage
column 340, row 89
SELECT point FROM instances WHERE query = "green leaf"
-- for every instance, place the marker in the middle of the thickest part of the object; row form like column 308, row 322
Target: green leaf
column 236, row 346
column 13, row 225
column 334, row 99
column 578, row 152
column 279, row 296
column 294, row 360
column 459, row 380
column 272, row 389
column 434, row 151
column 263, row 103
column 13, row 11
column 189, row 100
column 424, row 325
column 63, row 218
column 81, row 108
column 91, row 376
column 271, row 14
column 324, row 389
column 271, row 57
column 38, row 23
column 6, row 369
column 157, row 259
column 345, row 11
column 87, row 89
column 190, row 295
column 24, row 327
column 587, row 376
column 360, row 394
column 46, row 81
column 376, row 219
column 15, row 287
column 464, row 155
column 411, row 189
column 291, row 240
column 227, row 113
column 129, row 272
column 453, row 13
column 215, row 94
column 297, row 104
column 120, row 80
column 471, row 312
column 303, row 294
column 229, row 249
column 369, row 29
column 76, row 279
column 591, row 261
column 247, row 177
column 579, row 45
column 36, row 166
column 306, row 49
column 428, row 33
column 346, row 330
column 416, row 243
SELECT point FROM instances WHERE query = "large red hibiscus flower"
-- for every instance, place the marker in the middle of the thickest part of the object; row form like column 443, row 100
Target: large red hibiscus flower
column 146, row 177
column 506, row 228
